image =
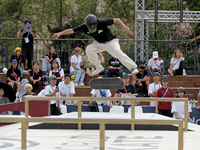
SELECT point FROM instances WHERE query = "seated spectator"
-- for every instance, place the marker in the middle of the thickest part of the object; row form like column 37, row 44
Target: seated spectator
column 128, row 91
column 90, row 67
column 52, row 91
column 198, row 101
column 20, row 59
column 177, row 64
column 28, row 89
column 3, row 100
column 57, row 71
column 153, row 87
column 114, row 68
column 75, row 67
column 164, row 108
column 13, row 77
column 156, row 64
column 47, row 59
column 178, row 108
column 142, row 79
column 66, row 89
column 36, row 76
column 102, row 93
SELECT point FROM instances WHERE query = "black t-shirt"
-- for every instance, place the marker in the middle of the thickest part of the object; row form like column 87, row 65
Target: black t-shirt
column 114, row 62
column 30, row 37
column 141, row 76
column 13, row 76
column 129, row 88
column 35, row 75
column 54, row 56
column 103, row 33
column 20, row 60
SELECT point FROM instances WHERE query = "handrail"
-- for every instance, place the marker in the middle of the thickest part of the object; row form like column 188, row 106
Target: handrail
column 110, row 99
column 101, row 122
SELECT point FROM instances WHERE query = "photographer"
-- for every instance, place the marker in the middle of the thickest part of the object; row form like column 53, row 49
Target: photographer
column 27, row 34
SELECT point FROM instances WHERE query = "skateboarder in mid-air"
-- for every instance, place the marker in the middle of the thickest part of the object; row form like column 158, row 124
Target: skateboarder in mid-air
column 105, row 40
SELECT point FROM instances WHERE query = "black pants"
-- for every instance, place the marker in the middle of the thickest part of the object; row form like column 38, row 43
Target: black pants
column 165, row 112
column 55, row 110
column 179, row 71
column 28, row 54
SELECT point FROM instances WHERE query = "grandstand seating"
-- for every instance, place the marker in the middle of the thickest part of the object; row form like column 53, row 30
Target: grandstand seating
column 191, row 83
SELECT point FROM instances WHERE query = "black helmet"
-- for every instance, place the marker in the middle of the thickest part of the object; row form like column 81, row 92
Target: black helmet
column 91, row 23
column 181, row 89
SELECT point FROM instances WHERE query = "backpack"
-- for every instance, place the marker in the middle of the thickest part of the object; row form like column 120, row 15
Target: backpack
column 93, row 107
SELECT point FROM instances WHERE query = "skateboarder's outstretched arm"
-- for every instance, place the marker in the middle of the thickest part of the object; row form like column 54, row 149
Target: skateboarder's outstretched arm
column 68, row 31
column 118, row 21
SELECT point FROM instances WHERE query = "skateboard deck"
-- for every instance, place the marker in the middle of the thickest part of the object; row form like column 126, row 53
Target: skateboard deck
column 107, row 83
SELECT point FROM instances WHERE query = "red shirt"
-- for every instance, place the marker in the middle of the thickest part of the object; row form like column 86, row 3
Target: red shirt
column 160, row 93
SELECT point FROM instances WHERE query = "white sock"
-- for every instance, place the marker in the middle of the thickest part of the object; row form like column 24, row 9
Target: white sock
column 184, row 73
column 17, row 94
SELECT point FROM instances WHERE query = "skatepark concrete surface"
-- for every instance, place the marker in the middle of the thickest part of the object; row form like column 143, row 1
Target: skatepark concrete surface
column 50, row 139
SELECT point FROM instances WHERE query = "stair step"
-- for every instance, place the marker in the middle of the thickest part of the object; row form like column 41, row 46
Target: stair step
column 181, row 83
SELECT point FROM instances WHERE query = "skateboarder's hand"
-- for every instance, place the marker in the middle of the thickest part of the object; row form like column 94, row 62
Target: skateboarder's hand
column 191, row 40
column 56, row 35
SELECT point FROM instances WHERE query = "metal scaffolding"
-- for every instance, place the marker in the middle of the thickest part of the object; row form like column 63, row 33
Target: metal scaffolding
column 144, row 17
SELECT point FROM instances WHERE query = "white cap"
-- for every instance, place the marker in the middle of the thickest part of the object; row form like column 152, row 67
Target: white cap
column 155, row 54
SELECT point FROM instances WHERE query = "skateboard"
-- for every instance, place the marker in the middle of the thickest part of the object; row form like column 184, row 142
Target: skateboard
column 107, row 83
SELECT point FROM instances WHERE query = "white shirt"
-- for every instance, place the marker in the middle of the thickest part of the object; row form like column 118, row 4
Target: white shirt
column 49, row 90
column 179, row 108
column 175, row 63
column 153, row 87
column 76, row 60
column 61, row 72
column 66, row 89
column 155, row 64
column 97, row 93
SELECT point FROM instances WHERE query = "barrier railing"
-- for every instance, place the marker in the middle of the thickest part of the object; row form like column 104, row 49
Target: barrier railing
column 101, row 122
column 27, row 99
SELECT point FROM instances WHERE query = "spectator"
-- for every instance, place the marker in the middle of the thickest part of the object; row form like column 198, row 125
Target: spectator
column 128, row 91
column 13, row 77
column 153, row 87
column 142, row 78
column 90, row 67
column 66, row 89
column 102, row 93
column 177, row 64
column 47, row 59
column 27, row 34
column 3, row 99
column 114, row 68
column 75, row 67
column 164, row 108
column 20, row 59
column 52, row 91
column 156, row 64
column 57, row 71
column 35, row 77
column 28, row 89
column 178, row 108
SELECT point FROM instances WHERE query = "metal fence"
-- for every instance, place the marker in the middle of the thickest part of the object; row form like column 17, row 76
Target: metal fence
column 64, row 47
